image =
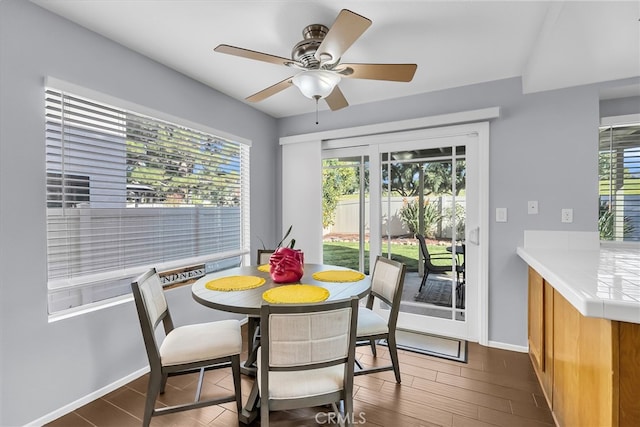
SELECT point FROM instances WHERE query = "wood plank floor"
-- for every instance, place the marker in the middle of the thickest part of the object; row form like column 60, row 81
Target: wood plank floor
column 495, row 387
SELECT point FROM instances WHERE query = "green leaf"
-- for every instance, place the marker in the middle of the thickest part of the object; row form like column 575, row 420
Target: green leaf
column 285, row 236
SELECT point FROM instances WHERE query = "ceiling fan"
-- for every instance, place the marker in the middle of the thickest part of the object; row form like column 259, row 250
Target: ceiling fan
column 318, row 56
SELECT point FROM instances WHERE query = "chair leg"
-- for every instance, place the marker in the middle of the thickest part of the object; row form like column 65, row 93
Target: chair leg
column 153, row 390
column 348, row 409
column 358, row 363
column 424, row 279
column 235, row 369
column 393, row 352
column 373, row 347
column 164, row 382
column 460, row 296
column 199, row 388
column 264, row 413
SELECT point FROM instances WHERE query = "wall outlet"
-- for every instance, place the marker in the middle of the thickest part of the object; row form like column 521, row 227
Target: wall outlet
column 567, row 215
column 501, row 214
column 532, row 207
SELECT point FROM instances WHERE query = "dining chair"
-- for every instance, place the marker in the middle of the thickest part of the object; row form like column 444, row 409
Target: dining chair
column 428, row 258
column 307, row 356
column 184, row 349
column 264, row 255
column 387, row 281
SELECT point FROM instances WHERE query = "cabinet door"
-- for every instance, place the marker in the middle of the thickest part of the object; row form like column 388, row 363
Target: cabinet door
column 585, row 367
column 536, row 320
column 547, row 355
column 629, row 378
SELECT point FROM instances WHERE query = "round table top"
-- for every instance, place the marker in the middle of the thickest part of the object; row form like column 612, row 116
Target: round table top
column 249, row 301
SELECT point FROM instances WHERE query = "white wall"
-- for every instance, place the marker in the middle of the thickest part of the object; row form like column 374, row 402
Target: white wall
column 543, row 147
column 45, row 366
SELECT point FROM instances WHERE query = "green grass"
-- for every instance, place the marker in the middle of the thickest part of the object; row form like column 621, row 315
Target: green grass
column 346, row 254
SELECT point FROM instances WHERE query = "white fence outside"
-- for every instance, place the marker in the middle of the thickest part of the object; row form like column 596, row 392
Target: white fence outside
column 348, row 214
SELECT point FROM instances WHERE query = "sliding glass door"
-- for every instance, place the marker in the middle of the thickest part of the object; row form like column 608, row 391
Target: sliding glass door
column 345, row 209
column 423, row 195
column 387, row 193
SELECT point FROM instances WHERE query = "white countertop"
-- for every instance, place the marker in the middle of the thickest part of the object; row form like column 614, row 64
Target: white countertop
column 598, row 280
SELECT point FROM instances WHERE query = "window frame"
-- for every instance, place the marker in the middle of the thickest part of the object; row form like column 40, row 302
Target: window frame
column 610, row 123
column 211, row 262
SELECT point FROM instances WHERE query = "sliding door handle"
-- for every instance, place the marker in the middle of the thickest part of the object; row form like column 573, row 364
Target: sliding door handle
column 474, row 236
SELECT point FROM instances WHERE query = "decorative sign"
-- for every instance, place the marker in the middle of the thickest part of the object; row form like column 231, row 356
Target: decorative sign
column 181, row 275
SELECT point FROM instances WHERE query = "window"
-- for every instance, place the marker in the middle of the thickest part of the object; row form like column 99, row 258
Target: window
column 619, row 182
column 126, row 192
column 76, row 190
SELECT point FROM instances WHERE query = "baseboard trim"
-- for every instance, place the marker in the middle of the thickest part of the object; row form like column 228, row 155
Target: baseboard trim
column 52, row 416
column 510, row 347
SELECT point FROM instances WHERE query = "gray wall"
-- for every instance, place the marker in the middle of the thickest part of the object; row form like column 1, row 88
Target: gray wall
column 543, row 147
column 45, row 366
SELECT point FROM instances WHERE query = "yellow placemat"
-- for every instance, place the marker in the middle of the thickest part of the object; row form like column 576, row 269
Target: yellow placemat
column 338, row 276
column 264, row 267
column 293, row 294
column 235, row 283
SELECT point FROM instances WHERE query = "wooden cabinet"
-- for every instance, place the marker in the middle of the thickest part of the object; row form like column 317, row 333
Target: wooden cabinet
column 589, row 368
column 541, row 331
column 536, row 319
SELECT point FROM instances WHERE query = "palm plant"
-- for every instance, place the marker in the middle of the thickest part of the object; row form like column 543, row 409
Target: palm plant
column 410, row 215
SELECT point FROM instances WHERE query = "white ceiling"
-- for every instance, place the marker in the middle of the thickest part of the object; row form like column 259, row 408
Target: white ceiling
column 550, row 44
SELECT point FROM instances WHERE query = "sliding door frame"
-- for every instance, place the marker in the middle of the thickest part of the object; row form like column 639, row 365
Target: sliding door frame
column 477, row 121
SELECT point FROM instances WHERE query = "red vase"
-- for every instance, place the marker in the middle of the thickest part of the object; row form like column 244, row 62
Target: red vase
column 286, row 265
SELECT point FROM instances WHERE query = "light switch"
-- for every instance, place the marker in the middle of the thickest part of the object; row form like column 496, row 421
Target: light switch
column 501, row 214
column 532, row 207
column 567, row 215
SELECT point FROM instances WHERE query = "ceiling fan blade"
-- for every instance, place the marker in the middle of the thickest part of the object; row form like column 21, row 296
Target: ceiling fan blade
column 271, row 90
column 336, row 99
column 346, row 29
column 392, row 72
column 258, row 56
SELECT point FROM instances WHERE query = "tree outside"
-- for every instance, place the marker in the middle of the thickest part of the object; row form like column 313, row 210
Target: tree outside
column 175, row 167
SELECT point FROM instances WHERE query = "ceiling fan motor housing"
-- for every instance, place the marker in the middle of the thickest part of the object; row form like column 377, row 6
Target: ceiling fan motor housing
column 305, row 50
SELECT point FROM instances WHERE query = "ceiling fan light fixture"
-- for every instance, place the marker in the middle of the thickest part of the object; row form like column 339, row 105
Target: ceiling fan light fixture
column 316, row 84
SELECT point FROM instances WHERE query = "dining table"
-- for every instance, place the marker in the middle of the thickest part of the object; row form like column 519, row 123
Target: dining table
column 247, row 300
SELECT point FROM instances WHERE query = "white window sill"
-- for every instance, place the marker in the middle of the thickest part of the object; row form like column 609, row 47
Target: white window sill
column 88, row 308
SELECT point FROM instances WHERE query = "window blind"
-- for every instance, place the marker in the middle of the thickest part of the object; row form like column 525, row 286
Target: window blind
column 126, row 191
column 619, row 182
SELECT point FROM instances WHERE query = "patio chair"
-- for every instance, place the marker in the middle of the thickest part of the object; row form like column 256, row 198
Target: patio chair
column 429, row 266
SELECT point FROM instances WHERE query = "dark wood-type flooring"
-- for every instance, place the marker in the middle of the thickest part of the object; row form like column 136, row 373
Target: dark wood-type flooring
column 495, row 387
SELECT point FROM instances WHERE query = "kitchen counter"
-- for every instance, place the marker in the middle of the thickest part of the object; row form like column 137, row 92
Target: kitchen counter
column 599, row 280
column 584, row 326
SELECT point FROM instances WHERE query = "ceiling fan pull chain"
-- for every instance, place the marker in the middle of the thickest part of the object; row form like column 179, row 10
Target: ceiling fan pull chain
column 317, row 109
